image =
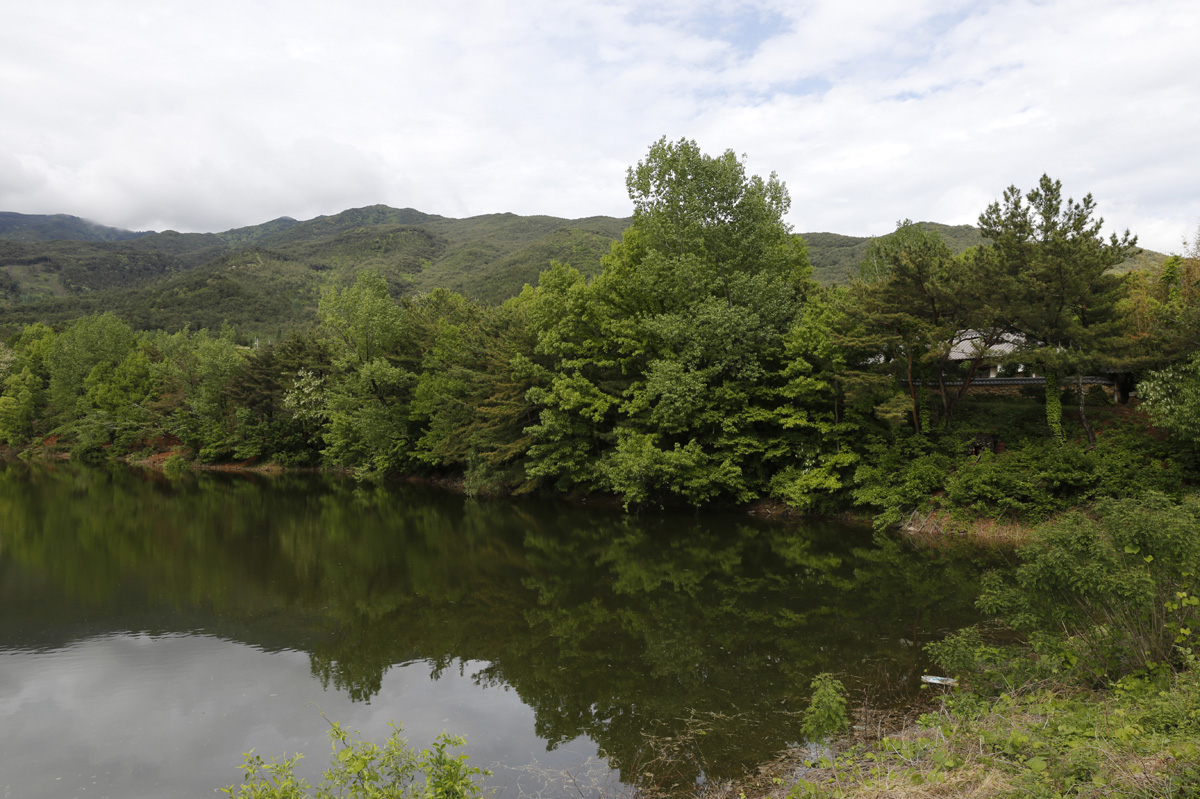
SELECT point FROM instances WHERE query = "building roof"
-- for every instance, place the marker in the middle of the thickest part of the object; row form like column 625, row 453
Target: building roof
column 969, row 344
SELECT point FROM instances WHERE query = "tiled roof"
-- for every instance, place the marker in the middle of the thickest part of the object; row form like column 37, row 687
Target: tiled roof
column 968, row 343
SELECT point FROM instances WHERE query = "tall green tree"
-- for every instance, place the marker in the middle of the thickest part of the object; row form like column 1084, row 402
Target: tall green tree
column 367, row 397
column 1163, row 310
column 266, row 428
column 93, row 342
column 195, row 378
column 23, row 381
column 665, row 370
column 915, row 312
column 471, row 394
column 1048, row 267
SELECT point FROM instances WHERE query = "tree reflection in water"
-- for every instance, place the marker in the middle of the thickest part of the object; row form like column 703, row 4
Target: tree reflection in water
column 701, row 632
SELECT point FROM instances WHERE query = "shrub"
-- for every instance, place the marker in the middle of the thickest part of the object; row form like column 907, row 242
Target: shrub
column 826, row 713
column 899, row 478
column 1033, row 481
column 1118, row 592
column 175, row 464
column 360, row 769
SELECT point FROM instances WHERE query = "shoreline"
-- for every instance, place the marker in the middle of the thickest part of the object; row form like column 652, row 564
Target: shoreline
column 935, row 530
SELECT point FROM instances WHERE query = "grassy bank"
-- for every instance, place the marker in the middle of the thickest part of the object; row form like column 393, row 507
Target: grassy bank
column 1140, row 737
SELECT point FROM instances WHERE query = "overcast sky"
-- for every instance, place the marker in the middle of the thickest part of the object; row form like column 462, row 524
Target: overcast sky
column 161, row 114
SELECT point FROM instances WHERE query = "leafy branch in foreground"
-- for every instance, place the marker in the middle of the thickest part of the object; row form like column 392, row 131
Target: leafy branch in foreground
column 364, row 770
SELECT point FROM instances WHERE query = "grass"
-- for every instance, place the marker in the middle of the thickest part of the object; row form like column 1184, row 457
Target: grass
column 941, row 528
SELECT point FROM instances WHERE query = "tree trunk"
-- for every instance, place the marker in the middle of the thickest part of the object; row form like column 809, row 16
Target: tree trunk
column 912, row 391
column 1087, row 428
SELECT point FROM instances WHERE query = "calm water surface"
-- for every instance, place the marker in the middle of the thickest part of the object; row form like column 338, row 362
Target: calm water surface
column 151, row 630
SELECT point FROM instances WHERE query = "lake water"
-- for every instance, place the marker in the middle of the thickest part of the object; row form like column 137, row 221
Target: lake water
column 153, row 630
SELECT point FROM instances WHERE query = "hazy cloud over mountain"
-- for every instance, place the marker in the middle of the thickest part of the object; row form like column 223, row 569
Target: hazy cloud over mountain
column 215, row 115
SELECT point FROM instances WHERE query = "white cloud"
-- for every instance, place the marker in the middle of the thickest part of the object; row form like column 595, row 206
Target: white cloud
column 226, row 114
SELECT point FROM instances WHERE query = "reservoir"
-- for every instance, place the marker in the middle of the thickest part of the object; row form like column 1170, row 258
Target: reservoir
column 152, row 630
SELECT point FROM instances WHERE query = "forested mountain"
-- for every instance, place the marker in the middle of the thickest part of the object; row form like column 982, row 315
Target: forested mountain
column 835, row 258
column 43, row 227
column 266, row 278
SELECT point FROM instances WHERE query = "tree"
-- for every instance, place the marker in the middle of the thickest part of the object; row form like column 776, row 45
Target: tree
column 1172, row 397
column 470, row 397
column 266, row 427
column 23, row 382
column 375, row 356
column 916, row 309
column 194, row 380
column 93, row 341
column 1163, row 309
column 664, row 372
column 1048, row 269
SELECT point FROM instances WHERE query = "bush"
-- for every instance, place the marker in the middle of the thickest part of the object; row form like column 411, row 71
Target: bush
column 1033, row 481
column 175, row 465
column 899, row 478
column 1116, row 592
column 826, row 714
column 986, row 667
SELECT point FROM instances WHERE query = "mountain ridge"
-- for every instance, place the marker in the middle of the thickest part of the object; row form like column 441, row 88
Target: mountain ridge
column 267, row 277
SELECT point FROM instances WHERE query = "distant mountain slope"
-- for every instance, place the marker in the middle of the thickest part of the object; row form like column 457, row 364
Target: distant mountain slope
column 266, row 278
column 57, row 227
column 835, row 258
column 33, row 271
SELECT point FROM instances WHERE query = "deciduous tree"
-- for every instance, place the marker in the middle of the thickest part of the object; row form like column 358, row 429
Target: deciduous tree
column 666, row 369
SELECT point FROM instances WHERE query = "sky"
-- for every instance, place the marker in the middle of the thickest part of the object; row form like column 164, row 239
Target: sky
column 163, row 114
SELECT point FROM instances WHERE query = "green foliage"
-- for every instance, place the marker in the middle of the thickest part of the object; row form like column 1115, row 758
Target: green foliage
column 195, row 377
column 175, row 465
column 471, row 395
column 1035, row 479
column 1172, row 397
column 1118, row 589
column 1052, row 265
column 364, row 770
column 374, row 349
column 826, row 713
column 665, row 369
column 1032, row 740
column 894, row 479
column 19, row 406
column 93, row 342
column 1054, row 406
column 987, row 667
column 265, row 279
column 699, row 365
column 836, row 258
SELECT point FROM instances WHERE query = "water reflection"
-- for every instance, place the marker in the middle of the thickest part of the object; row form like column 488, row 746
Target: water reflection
column 596, row 625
